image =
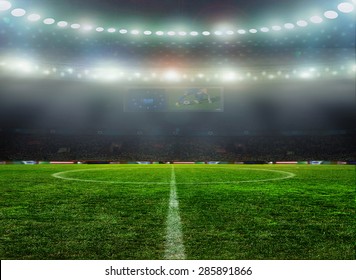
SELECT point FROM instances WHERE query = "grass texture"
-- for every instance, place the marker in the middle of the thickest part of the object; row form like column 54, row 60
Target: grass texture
column 226, row 211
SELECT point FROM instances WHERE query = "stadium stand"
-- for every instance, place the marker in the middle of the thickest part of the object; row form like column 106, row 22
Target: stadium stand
column 176, row 148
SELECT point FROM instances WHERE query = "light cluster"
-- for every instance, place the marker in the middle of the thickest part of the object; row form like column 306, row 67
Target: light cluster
column 26, row 68
column 342, row 8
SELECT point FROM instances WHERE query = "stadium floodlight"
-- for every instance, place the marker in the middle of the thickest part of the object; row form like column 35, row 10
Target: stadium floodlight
column 306, row 75
column 135, row 32
column 5, row 5
column 18, row 12
column 123, row 31
column 276, row 28
column 147, row 32
column 230, row 32
column 87, row 27
column 229, row 76
column 159, row 33
column 345, row 7
column 99, row 29
column 218, row 33
column 171, row 75
column 34, row 17
column 302, row 23
column 171, row 33
column 194, row 33
column 264, row 29
column 253, row 30
column 182, row 33
column 24, row 66
column 241, row 31
column 289, row 25
column 206, row 33
column 48, row 21
column 316, row 19
column 75, row 26
column 62, row 23
column 111, row 30
column 331, row 14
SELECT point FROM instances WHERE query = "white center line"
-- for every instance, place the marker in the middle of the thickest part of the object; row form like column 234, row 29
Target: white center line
column 174, row 239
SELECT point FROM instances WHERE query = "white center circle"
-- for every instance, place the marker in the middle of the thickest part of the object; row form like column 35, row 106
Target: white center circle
column 65, row 175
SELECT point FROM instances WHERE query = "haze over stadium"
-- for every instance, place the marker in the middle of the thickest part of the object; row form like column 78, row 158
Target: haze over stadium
column 226, row 82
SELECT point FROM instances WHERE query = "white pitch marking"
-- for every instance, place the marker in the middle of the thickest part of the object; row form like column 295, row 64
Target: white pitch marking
column 61, row 175
column 174, row 238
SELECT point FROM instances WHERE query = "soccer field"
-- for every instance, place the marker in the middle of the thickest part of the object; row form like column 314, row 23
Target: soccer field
column 177, row 212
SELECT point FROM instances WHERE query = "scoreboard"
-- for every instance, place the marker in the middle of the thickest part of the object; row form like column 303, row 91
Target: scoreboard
column 197, row 99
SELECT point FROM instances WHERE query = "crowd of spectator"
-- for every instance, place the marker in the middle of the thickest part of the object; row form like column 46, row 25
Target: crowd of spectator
column 175, row 148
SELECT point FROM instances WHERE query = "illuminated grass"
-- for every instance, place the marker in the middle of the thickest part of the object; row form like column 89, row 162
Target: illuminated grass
column 309, row 216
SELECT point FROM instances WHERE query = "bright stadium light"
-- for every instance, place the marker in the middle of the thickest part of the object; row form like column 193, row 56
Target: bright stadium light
column 62, row 23
column 147, row 32
column 87, row 27
column 331, row 14
column 5, row 5
column 48, row 21
column 302, row 23
column 316, row 19
column 34, row 17
column 18, row 12
column 229, row 76
column 99, row 29
column 75, row 26
column 276, row 28
column 306, row 75
column 345, row 7
column 171, row 75
column 21, row 65
column 111, row 30
column 289, row 25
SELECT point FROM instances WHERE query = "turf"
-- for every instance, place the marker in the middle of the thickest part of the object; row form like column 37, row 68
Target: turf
column 227, row 211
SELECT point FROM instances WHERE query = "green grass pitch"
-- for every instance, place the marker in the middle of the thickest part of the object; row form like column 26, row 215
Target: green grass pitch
column 226, row 211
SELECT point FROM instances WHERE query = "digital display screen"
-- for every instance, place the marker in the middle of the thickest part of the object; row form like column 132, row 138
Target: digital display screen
column 197, row 99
